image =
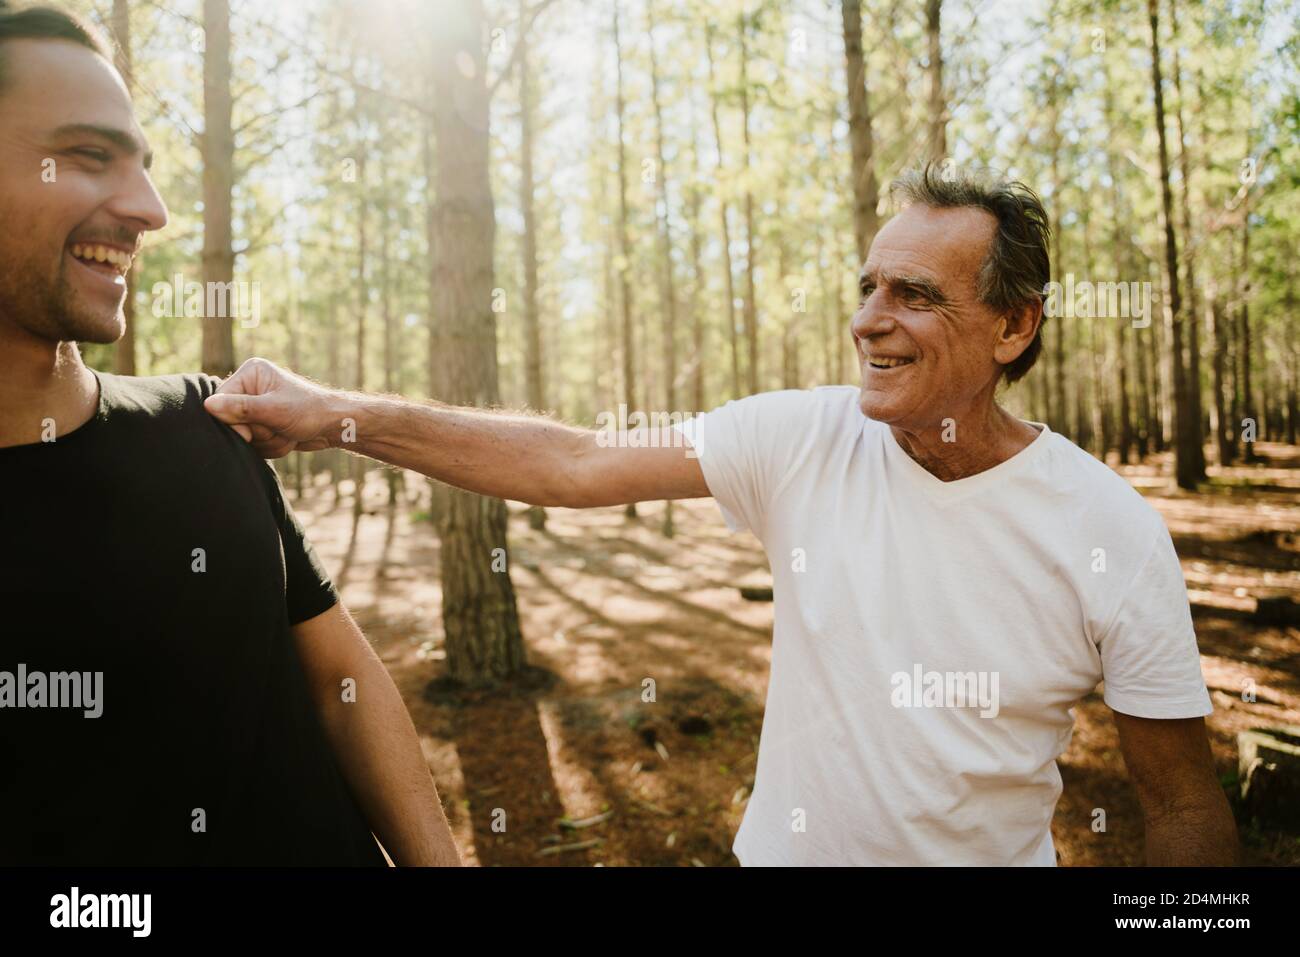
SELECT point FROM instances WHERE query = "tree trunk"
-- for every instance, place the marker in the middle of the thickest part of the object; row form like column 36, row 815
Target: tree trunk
column 1243, row 335
column 1056, row 412
column 356, row 462
column 729, row 312
column 937, row 140
column 625, row 248
column 1119, row 242
column 1223, row 427
column 532, row 321
column 751, row 239
column 1193, row 410
column 669, row 284
column 218, row 183
column 861, row 138
column 484, row 643
column 1183, row 434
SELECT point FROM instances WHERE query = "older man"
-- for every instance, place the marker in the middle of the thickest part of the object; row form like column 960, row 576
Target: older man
column 950, row 580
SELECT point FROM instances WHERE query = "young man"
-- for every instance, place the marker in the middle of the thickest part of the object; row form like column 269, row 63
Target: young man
column 179, row 683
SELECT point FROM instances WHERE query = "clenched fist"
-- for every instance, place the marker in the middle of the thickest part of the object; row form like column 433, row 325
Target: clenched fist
column 276, row 411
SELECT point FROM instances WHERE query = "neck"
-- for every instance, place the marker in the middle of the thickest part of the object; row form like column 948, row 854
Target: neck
column 967, row 445
column 45, row 388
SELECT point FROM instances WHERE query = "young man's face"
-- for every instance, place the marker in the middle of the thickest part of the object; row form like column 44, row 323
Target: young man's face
column 73, row 176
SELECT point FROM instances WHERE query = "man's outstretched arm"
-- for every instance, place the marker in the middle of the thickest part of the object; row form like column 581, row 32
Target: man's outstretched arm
column 526, row 458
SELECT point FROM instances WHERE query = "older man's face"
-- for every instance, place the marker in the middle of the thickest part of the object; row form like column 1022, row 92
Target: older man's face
column 924, row 340
column 75, row 197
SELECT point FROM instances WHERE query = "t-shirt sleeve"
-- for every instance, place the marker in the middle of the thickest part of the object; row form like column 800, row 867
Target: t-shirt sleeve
column 1150, row 662
column 747, row 448
column 308, row 590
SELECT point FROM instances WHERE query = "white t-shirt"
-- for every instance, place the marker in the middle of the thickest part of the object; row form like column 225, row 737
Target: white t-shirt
column 932, row 638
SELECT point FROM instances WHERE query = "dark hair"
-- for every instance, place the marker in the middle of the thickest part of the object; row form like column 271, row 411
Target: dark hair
column 47, row 23
column 1017, row 268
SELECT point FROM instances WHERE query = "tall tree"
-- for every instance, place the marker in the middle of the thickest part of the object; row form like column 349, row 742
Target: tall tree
column 1184, row 435
column 218, row 145
column 729, row 307
column 937, row 138
column 751, row 236
column 484, row 643
column 1194, row 408
column 624, row 244
column 669, row 283
column 532, row 321
column 865, row 191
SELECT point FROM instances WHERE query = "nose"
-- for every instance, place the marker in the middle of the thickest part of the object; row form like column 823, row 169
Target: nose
column 138, row 201
column 873, row 318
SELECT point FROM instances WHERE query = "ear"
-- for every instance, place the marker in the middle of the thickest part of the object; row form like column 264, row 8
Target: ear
column 1016, row 330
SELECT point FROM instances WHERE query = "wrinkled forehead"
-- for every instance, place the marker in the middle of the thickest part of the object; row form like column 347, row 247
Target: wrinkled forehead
column 48, row 84
column 945, row 245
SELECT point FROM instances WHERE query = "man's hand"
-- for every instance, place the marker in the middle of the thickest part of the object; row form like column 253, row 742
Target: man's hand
column 276, row 411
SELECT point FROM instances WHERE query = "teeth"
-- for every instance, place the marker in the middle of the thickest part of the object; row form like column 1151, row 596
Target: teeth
column 883, row 363
column 102, row 254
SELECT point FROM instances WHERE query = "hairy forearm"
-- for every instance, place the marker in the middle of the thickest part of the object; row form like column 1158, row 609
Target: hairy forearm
column 378, row 752
column 1199, row 835
column 525, row 458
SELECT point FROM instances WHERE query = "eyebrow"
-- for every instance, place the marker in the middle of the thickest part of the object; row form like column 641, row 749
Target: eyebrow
column 927, row 286
column 124, row 141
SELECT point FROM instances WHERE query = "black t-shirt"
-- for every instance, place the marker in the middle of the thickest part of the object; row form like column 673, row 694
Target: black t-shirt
column 152, row 545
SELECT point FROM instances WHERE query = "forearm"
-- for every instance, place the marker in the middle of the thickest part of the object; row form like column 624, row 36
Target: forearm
column 520, row 457
column 379, row 754
column 1202, row 835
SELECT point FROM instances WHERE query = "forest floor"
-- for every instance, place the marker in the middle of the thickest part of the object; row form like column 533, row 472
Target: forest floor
column 606, row 603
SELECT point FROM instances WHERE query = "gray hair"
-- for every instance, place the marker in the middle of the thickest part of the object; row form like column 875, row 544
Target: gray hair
column 1017, row 268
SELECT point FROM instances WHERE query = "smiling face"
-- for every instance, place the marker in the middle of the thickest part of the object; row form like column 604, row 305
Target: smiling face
column 75, row 194
column 929, row 349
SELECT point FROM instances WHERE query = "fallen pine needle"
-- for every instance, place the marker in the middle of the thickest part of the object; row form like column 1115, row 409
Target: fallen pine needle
column 580, row 846
column 586, row 821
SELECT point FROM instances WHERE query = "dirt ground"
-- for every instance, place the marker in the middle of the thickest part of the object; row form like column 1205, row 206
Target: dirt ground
column 572, row 768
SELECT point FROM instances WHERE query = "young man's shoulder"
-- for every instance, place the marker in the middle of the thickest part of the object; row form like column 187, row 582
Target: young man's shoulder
column 154, row 407
column 181, row 392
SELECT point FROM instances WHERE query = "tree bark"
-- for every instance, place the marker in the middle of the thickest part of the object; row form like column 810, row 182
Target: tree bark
column 751, row 239
column 861, row 139
column 481, row 621
column 937, row 139
column 1193, row 411
column 218, row 357
column 625, row 248
column 729, row 312
column 669, row 284
column 1184, row 454
column 533, row 387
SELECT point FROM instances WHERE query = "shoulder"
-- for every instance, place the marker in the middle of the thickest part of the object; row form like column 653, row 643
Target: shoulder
column 1106, row 497
column 804, row 407
column 178, row 394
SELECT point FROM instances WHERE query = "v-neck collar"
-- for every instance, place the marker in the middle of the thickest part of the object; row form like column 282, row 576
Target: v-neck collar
column 943, row 491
